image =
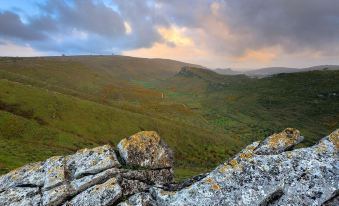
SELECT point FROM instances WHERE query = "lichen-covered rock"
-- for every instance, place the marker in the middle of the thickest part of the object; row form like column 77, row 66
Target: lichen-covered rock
column 139, row 199
column 32, row 174
column 54, row 169
column 79, row 185
column 130, row 187
column 91, row 161
column 158, row 176
column 56, row 195
column 280, row 142
column 145, row 149
column 307, row 176
column 103, row 194
column 263, row 173
column 20, row 196
column 40, row 174
column 334, row 138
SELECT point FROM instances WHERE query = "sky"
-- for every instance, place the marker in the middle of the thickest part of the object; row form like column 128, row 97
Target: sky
column 212, row 33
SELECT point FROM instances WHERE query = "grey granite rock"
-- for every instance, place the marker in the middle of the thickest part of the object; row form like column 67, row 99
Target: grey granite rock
column 146, row 149
column 91, row 161
column 263, row 173
column 158, row 176
column 130, row 187
column 54, row 169
column 307, row 176
column 139, row 199
column 280, row 142
column 29, row 175
column 20, row 196
column 99, row 195
column 79, row 185
column 56, row 195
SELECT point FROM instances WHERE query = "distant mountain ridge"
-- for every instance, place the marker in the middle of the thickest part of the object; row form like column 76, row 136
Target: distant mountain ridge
column 227, row 71
column 267, row 71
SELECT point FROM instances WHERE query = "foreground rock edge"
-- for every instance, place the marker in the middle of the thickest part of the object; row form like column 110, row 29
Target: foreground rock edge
column 264, row 173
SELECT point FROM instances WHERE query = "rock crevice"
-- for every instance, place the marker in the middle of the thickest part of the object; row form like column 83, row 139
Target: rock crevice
column 139, row 172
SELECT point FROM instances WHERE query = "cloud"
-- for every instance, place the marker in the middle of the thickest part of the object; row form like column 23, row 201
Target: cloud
column 218, row 32
column 174, row 36
column 10, row 49
column 84, row 26
column 293, row 25
column 236, row 26
column 86, row 15
column 11, row 26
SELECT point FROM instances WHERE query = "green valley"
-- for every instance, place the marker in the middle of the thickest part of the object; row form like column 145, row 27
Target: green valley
column 56, row 105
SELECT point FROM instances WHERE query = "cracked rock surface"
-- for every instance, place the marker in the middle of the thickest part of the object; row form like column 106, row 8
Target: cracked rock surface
column 140, row 173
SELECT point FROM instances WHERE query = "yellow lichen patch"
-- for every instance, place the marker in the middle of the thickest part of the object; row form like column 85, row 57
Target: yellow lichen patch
column 209, row 180
column 215, row 187
column 246, row 155
column 251, row 148
column 287, row 137
column 94, row 162
column 321, row 148
column 334, row 138
column 233, row 163
column 141, row 140
column 224, row 168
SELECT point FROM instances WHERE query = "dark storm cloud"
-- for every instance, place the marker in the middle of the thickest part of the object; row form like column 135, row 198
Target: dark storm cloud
column 143, row 18
column 81, row 26
column 11, row 26
column 294, row 25
column 87, row 16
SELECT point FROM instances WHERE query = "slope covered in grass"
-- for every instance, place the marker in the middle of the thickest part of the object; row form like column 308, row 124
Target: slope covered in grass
column 256, row 107
column 36, row 123
column 55, row 105
column 118, row 81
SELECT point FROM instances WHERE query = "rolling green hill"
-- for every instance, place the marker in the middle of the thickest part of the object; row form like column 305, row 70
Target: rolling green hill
column 255, row 107
column 56, row 105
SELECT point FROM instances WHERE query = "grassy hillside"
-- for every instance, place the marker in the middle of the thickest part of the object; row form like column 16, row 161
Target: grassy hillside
column 118, row 81
column 56, row 105
column 252, row 108
column 36, row 123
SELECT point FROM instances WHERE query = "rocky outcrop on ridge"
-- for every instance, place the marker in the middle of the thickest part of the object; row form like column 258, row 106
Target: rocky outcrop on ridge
column 139, row 172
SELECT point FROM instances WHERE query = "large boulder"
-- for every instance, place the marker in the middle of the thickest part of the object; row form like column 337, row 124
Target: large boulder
column 146, row 149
